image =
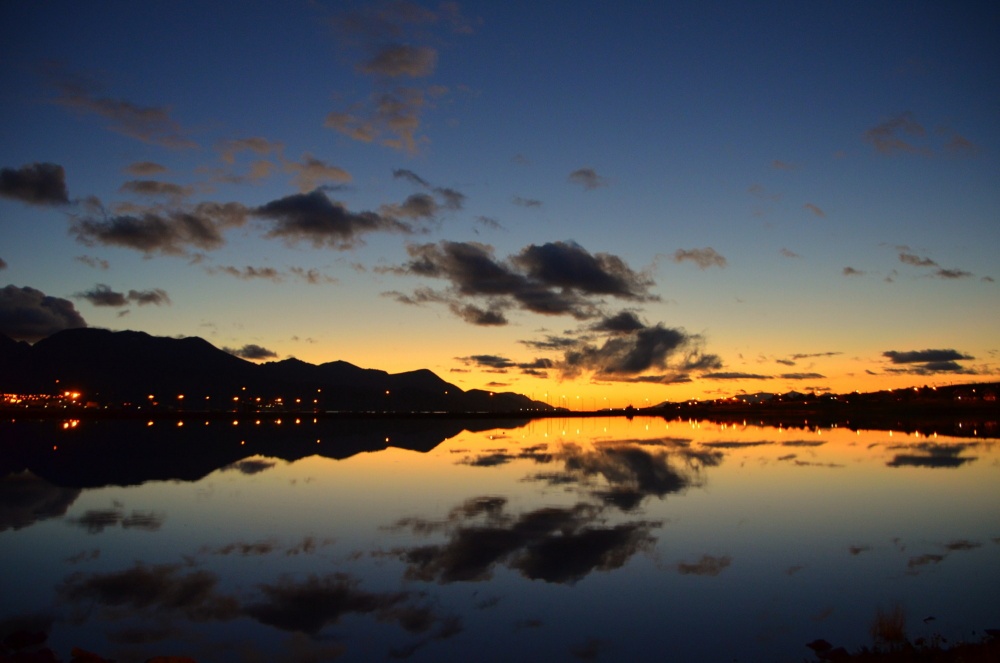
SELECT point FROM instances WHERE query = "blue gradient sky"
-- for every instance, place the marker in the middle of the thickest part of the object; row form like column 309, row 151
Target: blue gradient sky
column 787, row 195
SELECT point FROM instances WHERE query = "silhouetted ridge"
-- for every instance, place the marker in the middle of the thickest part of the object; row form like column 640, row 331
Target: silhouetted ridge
column 135, row 368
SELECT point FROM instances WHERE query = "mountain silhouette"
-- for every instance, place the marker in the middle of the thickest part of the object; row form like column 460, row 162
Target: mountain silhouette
column 132, row 369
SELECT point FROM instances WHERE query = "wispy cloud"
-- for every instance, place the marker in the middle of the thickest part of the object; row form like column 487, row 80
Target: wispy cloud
column 892, row 136
column 704, row 258
column 588, row 179
column 815, row 210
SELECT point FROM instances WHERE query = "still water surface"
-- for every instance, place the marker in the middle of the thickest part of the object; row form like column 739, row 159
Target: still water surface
column 577, row 539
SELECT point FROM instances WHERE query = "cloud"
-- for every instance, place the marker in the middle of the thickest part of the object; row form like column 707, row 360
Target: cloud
column 778, row 164
column 3, row 264
column 475, row 315
column 311, row 172
column 624, row 322
column 489, row 222
column 315, row 218
column 449, row 198
column 920, row 356
column 391, row 117
column 809, row 355
column 156, row 296
column 145, row 168
column 629, row 354
column 251, row 351
column 96, row 263
column 247, row 273
column 587, row 178
column 170, row 232
column 932, row 455
column 103, row 295
column 401, row 60
column 788, row 253
column 149, row 124
column 229, row 149
column 251, row 465
column 915, row 260
column 96, row 521
column 815, row 210
column 952, row 274
column 706, row 566
column 525, row 202
column 731, row 375
column 958, row 144
column 26, row 499
column 704, row 258
column 35, row 184
column 553, row 544
column 29, row 314
column 487, row 361
column 888, row 136
column 556, row 278
column 155, row 188
column 802, row 376
column 850, row 271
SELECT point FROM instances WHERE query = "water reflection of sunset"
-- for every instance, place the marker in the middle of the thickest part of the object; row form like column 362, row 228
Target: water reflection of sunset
column 573, row 536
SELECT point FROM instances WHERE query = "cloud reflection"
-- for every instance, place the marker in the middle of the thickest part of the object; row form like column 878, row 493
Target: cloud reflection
column 932, row 455
column 554, row 544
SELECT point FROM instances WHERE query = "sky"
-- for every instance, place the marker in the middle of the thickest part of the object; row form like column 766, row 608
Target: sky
column 590, row 203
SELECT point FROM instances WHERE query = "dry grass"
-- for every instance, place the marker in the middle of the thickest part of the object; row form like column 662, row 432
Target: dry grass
column 889, row 627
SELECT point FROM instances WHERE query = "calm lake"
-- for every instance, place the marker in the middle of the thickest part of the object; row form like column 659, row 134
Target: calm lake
column 554, row 539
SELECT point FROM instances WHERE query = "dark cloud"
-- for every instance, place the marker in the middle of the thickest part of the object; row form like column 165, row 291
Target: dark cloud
column 312, row 172
column 156, row 188
column 311, row 276
column 29, row 314
column 315, row 601
column 448, row 198
column 401, row 60
column 920, row 356
column 526, row 202
column 251, row 465
column 809, row 355
column 475, row 315
column 103, row 295
column 587, row 178
column 488, row 361
column 952, row 273
column 636, row 352
column 3, row 264
column 35, row 184
column 416, row 206
column 315, row 218
column 932, row 455
column 550, row 279
column 26, row 498
column 96, row 521
column 171, row 232
column 145, row 168
column 149, row 124
column 850, row 271
column 156, row 296
column 704, row 258
column 706, row 566
column 553, row 544
column 888, row 137
column 164, row 588
column 802, row 376
column 252, row 351
column 622, row 323
column 247, row 273
column 732, row 375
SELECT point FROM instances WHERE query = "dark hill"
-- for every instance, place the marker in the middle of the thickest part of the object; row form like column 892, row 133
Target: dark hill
column 115, row 368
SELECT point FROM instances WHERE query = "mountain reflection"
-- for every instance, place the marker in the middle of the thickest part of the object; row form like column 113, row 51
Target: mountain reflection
column 26, row 498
